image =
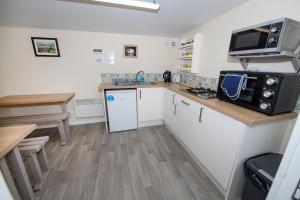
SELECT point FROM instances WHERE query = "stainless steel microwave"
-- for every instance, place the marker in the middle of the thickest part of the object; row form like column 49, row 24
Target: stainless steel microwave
column 272, row 37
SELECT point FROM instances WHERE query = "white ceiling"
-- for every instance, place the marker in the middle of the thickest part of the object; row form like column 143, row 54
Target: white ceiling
column 174, row 18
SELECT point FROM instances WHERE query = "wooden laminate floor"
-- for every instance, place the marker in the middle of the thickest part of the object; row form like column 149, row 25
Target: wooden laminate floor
column 144, row 164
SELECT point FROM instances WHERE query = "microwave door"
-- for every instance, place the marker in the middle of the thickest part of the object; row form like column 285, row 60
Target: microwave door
column 251, row 39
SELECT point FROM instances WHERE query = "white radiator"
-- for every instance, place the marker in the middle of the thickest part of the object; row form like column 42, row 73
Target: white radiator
column 89, row 108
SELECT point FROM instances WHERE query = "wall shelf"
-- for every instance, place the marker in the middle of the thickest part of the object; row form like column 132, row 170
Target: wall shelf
column 187, row 46
column 186, row 57
column 291, row 56
column 189, row 54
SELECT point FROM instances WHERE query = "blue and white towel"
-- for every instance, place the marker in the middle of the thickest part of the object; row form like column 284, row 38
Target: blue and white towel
column 232, row 85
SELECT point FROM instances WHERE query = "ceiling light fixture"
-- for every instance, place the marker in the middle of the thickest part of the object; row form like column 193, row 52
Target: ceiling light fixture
column 129, row 4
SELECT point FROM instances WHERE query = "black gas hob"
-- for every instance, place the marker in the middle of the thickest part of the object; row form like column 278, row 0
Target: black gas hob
column 204, row 93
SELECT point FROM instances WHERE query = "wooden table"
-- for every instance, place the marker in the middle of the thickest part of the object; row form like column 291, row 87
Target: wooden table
column 37, row 100
column 10, row 137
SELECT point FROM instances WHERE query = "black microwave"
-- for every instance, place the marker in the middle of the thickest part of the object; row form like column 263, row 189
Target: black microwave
column 272, row 37
column 267, row 92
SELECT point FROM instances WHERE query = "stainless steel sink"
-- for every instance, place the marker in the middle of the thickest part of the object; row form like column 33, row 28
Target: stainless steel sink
column 124, row 83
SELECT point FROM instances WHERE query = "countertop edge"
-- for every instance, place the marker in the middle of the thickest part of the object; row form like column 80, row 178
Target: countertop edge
column 226, row 108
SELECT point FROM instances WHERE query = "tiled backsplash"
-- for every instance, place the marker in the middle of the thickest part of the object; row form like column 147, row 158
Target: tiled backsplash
column 149, row 77
column 188, row 79
column 192, row 80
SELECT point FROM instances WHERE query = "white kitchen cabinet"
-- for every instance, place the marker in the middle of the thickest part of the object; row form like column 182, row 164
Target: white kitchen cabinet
column 202, row 131
column 184, row 125
column 217, row 138
column 168, row 108
column 149, row 102
column 220, row 143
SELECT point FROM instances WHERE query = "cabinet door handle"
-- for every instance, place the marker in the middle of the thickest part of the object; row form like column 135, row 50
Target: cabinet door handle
column 200, row 115
column 173, row 100
column 184, row 102
column 175, row 107
column 140, row 94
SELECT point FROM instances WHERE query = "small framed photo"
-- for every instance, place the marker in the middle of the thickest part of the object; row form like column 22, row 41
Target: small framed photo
column 45, row 47
column 130, row 51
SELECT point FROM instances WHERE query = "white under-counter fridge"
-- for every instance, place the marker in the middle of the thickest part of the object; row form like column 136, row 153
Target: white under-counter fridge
column 121, row 109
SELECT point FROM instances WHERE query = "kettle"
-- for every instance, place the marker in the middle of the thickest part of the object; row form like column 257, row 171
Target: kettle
column 167, row 76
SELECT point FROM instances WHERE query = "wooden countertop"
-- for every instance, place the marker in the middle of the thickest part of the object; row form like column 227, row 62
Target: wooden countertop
column 241, row 114
column 35, row 99
column 12, row 136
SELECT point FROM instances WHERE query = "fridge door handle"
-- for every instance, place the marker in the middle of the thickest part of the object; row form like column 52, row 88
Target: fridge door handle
column 140, row 94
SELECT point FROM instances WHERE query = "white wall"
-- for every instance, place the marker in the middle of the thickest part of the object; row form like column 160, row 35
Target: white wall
column 76, row 70
column 217, row 32
column 4, row 190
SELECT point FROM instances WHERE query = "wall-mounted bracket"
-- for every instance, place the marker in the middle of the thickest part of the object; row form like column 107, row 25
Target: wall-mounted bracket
column 294, row 57
column 244, row 62
column 296, row 63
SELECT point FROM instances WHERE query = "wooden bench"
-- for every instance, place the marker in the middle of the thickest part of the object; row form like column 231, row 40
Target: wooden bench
column 33, row 149
column 61, row 119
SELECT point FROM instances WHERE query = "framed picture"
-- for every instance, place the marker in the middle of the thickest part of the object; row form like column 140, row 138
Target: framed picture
column 46, row 47
column 130, row 51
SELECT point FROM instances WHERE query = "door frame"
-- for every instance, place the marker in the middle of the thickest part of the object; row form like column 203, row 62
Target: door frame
column 288, row 174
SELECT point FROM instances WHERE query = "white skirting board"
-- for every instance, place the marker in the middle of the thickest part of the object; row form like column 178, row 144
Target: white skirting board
column 150, row 123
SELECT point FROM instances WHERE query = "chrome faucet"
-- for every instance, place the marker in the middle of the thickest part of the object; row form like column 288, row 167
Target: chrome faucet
column 138, row 74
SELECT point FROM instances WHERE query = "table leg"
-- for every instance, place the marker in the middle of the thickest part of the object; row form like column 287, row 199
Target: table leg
column 9, row 180
column 66, row 123
column 64, row 107
column 14, row 159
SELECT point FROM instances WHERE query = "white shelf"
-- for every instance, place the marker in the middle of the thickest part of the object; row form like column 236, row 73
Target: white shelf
column 186, row 57
column 191, row 48
column 185, row 69
column 292, row 56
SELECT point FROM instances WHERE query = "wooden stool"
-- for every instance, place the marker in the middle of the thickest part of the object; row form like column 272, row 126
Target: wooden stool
column 34, row 151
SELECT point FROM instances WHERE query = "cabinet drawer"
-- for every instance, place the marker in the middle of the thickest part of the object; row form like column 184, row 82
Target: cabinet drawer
column 189, row 104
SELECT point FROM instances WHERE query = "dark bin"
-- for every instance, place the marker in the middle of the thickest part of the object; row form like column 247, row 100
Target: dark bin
column 260, row 172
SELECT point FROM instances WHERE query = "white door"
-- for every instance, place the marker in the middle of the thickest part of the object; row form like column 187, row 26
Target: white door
column 288, row 174
column 149, row 104
column 168, row 108
column 211, row 136
column 217, row 139
column 183, row 125
column 122, row 111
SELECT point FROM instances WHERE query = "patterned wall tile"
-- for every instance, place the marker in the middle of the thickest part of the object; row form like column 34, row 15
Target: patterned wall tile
column 198, row 81
column 111, row 77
